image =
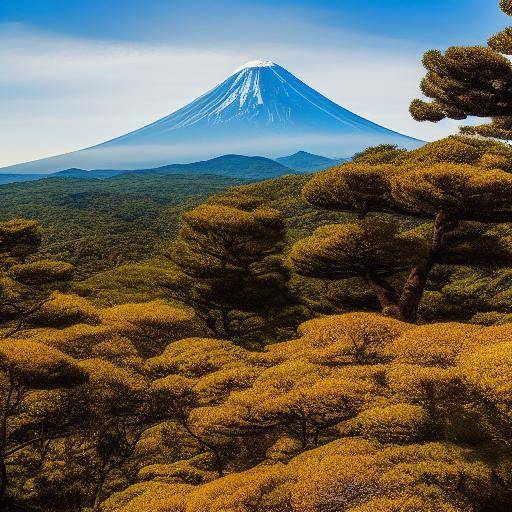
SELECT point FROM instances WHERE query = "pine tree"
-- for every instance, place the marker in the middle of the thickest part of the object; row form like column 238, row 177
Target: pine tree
column 460, row 199
column 230, row 268
column 471, row 81
column 25, row 280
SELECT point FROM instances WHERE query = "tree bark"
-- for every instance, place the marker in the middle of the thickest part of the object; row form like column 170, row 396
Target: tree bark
column 415, row 285
column 3, row 479
column 385, row 293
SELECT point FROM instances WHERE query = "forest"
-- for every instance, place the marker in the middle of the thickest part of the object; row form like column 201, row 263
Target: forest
column 331, row 342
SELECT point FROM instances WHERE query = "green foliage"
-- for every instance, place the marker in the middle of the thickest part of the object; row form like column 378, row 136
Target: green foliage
column 99, row 224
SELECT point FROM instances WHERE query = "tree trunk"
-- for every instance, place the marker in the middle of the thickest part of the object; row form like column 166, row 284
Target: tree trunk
column 98, row 495
column 415, row 285
column 3, row 479
column 385, row 293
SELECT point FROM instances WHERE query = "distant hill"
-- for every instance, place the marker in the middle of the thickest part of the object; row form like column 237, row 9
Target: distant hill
column 84, row 174
column 308, row 162
column 18, row 178
column 229, row 166
column 232, row 166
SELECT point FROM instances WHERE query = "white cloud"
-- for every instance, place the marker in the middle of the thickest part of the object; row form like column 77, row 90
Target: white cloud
column 59, row 93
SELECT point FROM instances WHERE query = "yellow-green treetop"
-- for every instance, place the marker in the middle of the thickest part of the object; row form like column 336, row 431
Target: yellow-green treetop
column 373, row 247
column 488, row 371
column 152, row 325
column 196, row 357
column 352, row 338
column 449, row 187
column 63, row 310
column 352, row 187
column 35, row 365
column 382, row 154
column 398, row 423
column 436, row 345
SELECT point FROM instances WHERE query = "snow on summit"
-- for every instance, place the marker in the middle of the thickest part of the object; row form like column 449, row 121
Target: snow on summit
column 261, row 109
column 256, row 64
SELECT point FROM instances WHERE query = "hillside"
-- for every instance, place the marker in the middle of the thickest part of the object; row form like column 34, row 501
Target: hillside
column 233, row 166
column 98, row 224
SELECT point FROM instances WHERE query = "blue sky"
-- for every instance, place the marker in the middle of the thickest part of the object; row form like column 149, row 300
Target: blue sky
column 77, row 72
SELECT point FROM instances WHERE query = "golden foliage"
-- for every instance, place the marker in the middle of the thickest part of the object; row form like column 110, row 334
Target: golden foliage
column 35, row 365
column 399, row 423
column 61, row 310
column 150, row 496
column 434, row 344
column 195, row 357
column 151, row 325
column 488, row 371
column 446, row 187
column 344, row 339
column 371, row 247
column 352, row 187
column 77, row 340
column 41, row 272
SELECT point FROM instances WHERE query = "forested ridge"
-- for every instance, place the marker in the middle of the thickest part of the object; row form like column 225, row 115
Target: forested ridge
column 333, row 342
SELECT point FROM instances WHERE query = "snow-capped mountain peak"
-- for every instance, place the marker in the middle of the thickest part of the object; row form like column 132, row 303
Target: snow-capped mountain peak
column 261, row 109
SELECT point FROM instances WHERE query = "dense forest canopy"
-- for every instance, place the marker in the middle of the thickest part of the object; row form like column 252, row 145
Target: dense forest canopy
column 334, row 342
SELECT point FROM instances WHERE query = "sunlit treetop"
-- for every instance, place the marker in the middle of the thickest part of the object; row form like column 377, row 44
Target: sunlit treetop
column 62, row 310
column 35, row 365
column 352, row 187
column 489, row 372
column 372, row 247
column 231, row 220
column 434, row 344
column 396, row 423
column 457, row 149
column 348, row 338
column 382, row 154
column 195, row 357
column 19, row 237
column 151, row 325
column 462, row 191
column 239, row 200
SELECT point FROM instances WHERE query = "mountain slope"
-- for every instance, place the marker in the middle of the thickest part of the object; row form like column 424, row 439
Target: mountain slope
column 307, row 162
column 260, row 109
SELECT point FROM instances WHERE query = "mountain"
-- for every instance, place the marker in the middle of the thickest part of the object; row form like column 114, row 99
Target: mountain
column 307, row 162
column 260, row 109
column 230, row 166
